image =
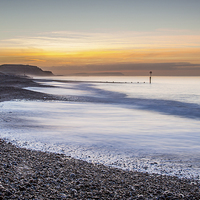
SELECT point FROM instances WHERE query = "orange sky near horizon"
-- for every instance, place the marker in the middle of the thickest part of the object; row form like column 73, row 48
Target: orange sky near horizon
column 99, row 57
column 78, row 36
column 57, row 50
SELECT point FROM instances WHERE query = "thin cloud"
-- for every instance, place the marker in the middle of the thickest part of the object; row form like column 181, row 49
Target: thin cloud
column 123, row 51
column 75, row 41
column 104, row 57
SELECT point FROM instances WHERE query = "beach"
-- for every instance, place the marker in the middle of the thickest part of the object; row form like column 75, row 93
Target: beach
column 11, row 87
column 30, row 174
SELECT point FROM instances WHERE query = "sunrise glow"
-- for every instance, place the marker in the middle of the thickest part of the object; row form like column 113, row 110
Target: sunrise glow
column 71, row 41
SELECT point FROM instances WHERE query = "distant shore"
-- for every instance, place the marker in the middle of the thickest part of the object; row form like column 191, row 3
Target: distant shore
column 29, row 174
column 11, row 88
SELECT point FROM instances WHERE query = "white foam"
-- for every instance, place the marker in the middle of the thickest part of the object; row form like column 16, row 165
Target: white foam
column 106, row 133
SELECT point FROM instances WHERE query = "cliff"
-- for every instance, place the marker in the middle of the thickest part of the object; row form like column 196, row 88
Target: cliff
column 24, row 70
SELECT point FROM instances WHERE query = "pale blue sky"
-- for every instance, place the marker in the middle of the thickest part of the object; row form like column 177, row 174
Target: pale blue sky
column 96, row 15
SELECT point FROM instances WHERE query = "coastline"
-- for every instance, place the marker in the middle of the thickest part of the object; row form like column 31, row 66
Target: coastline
column 27, row 174
column 11, row 88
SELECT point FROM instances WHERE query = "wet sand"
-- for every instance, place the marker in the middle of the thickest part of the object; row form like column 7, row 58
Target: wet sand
column 27, row 174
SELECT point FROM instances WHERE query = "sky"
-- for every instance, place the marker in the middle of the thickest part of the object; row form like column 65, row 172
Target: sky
column 91, row 36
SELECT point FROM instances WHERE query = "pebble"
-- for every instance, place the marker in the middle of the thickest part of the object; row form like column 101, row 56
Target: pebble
column 23, row 176
column 27, row 174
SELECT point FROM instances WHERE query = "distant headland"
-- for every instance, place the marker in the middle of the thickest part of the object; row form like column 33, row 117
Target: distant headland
column 99, row 74
column 26, row 70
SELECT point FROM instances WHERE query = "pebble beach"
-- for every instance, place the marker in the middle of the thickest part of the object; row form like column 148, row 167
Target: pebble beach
column 30, row 174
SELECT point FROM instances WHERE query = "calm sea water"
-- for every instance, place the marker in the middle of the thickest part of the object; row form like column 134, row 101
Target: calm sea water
column 119, row 121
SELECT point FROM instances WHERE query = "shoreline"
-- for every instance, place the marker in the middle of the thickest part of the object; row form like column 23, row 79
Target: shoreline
column 30, row 174
column 12, row 87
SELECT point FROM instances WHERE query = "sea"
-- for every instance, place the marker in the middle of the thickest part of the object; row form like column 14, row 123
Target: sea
column 119, row 121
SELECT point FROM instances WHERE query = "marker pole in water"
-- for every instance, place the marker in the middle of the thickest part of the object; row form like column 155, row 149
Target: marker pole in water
column 150, row 77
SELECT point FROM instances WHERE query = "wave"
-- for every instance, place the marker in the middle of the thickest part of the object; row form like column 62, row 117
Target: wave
column 164, row 106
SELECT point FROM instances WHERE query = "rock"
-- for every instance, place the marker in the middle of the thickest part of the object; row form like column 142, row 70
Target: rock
column 62, row 195
column 72, row 175
column 140, row 197
column 77, row 179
